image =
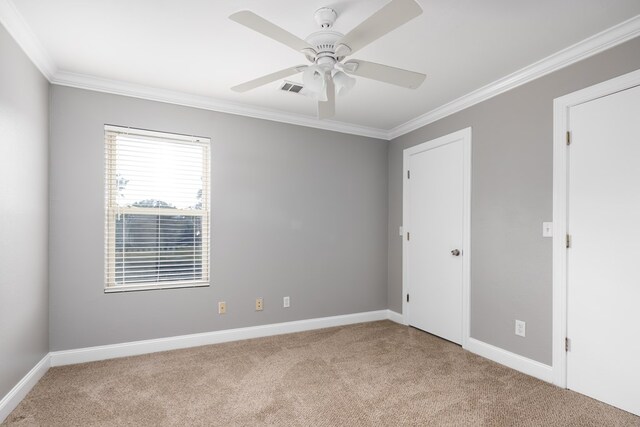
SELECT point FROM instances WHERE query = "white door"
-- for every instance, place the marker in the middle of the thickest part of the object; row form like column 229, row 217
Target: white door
column 603, row 262
column 435, row 234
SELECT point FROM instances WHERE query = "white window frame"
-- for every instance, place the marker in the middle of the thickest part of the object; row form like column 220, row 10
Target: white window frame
column 112, row 210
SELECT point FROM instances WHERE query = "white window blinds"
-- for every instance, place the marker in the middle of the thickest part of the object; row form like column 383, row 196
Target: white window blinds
column 157, row 210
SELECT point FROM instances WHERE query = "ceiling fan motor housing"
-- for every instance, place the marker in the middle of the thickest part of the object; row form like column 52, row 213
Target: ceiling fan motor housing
column 324, row 42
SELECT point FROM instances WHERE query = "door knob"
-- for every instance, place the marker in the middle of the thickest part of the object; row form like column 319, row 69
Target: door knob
column 455, row 252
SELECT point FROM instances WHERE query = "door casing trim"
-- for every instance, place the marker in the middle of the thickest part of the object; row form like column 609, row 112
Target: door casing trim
column 561, row 126
column 465, row 136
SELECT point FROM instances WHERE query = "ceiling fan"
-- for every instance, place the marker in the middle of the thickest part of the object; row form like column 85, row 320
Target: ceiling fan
column 328, row 73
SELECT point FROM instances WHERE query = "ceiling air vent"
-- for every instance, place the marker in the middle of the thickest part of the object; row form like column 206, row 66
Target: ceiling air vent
column 291, row 87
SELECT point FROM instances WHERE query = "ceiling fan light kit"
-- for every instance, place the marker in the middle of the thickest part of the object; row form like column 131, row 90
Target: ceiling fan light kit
column 326, row 49
column 315, row 82
column 342, row 81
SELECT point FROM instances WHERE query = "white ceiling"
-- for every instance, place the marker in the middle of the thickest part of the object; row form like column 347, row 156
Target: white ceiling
column 191, row 46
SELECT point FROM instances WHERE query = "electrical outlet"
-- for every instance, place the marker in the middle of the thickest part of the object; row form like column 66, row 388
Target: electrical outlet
column 521, row 328
column 286, row 302
column 259, row 304
column 222, row 307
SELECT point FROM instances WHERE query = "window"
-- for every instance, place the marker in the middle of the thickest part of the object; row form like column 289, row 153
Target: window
column 157, row 210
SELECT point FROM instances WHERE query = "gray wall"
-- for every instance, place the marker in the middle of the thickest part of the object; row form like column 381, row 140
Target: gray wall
column 24, row 128
column 511, row 197
column 296, row 212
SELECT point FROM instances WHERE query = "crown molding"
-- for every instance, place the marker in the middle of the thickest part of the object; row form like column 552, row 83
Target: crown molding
column 16, row 26
column 604, row 40
column 21, row 32
column 82, row 81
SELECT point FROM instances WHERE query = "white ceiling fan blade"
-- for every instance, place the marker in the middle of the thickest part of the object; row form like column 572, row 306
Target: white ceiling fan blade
column 385, row 73
column 261, row 81
column 327, row 109
column 387, row 19
column 266, row 28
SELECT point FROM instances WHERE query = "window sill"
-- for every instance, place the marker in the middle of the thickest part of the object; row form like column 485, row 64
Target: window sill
column 136, row 288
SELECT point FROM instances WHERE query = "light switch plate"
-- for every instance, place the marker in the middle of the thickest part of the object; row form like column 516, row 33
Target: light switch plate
column 547, row 229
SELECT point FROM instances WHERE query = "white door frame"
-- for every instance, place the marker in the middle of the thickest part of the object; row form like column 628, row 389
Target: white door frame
column 465, row 136
column 561, row 108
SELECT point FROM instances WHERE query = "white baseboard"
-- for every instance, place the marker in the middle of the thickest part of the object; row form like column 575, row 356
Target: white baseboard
column 394, row 316
column 92, row 354
column 17, row 393
column 512, row 360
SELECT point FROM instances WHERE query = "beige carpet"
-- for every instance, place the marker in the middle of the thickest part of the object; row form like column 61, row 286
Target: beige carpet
column 369, row 374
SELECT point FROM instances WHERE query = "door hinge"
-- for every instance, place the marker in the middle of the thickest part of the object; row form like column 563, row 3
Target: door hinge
column 408, row 236
column 567, row 344
column 407, row 297
column 408, row 174
column 568, row 241
column 568, row 138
